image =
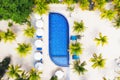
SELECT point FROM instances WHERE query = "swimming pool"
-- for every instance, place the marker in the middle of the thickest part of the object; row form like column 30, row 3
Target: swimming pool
column 58, row 39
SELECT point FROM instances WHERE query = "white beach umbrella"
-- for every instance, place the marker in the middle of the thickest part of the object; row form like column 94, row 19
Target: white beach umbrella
column 39, row 66
column 39, row 23
column 59, row 74
column 37, row 56
column 39, row 32
column 38, row 43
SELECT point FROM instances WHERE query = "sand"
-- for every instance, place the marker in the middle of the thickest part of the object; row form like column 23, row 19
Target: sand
column 94, row 25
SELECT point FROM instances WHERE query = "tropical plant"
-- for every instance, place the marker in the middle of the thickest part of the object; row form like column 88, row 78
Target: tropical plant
column 41, row 7
column 76, row 48
column 54, row 78
column 79, row 27
column 102, row 40
column 24, row 49
column 14, row 71
column 70, row 8
column 69, row 2
column 98, row 61
column 23, row 76
column 117, row 23
column 117, row 5
column 104, row 78
column 117, row 78
column 99, row 4
column 84, row 4
column 78, row 67
column 108, row 14
column 34, row 74
column 10, row 24
column 29, row 32
column 17, row 11
column 8, row 36
column 53, row 1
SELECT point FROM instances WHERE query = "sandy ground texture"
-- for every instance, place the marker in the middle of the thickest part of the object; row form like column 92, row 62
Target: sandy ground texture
column 94, row 25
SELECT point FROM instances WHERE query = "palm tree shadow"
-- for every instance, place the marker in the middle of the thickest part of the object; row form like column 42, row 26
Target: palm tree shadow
column 4, row 66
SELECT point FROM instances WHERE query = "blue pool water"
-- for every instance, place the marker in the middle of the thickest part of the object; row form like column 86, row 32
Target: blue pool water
column 58, row 39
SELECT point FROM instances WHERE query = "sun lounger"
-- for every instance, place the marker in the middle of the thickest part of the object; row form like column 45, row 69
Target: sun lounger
column 74, row 38
column 39, row 37
column 39, row 49
column 75, row 57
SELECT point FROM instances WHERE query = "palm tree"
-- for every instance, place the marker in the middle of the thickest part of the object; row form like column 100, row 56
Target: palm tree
column 104, row 78
column 10, row 24
column 24, row 49
column 117, row 78
column 23, row 76
column 14, row 71
column 78, row 67
column 98, row 61
column 34, row 75
column 69, row 2
column 8, row 36
column 117, row 23
column 54, row 78
column 84, row 4
column 102, row 40
column 116, row 4
column 29, row 32
column 70, row 9
column 76, row 48
column 108, row 14
column 41, row 6
column 99, row 4
column 79, row 27
column 53, row 1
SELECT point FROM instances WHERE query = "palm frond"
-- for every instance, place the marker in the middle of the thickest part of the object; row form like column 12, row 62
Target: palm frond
column 84, row 4
column 98, row 61
column 14, row 71
column 8, row 36
column 24, row 49
column 29, row 32
column 41, row 7
column 102, row 40
column 108, row 14
column 78, row 67
column 34, row 75
column 79, row 27
column 117, row 23
column 76, row 48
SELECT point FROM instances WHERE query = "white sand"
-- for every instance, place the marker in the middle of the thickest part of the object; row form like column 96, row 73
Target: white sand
column 94, row 25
